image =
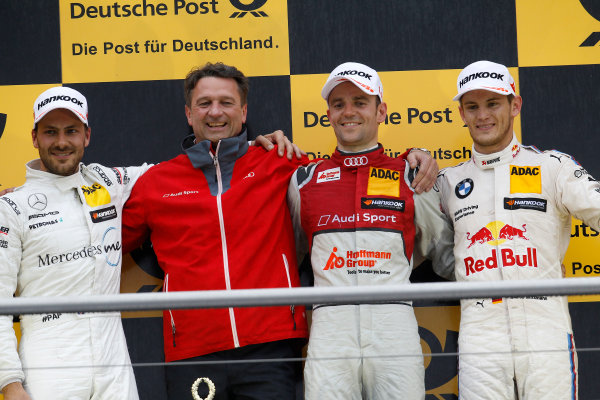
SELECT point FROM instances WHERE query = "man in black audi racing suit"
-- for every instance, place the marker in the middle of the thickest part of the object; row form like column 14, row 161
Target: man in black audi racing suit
column 511, row 207
column 60, row 235
column 364, row 224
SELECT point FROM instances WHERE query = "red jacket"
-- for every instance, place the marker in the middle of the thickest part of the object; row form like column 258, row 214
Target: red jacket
column 218, row 226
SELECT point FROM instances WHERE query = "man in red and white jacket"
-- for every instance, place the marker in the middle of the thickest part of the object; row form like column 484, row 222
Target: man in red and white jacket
column 218, row 220
column 364, row 224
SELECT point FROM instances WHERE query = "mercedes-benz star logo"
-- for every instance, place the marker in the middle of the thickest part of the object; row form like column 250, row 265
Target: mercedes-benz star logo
column 38, row 201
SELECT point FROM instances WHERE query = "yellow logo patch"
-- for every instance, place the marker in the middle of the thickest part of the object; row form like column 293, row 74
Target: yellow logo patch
column 384, row 182
column 95, row 195
column 524, row 179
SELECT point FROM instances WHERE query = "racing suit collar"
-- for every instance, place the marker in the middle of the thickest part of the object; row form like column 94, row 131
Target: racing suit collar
column 355, row 160
column 228, row 150
column 34, row 173
column 504, row 156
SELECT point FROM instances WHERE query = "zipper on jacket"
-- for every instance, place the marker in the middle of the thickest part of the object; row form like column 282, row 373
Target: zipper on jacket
column 166, row 289
column 215, row 157
column 287, row 273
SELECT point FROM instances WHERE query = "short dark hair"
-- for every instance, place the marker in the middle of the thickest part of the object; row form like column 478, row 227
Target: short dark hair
column 217, row 70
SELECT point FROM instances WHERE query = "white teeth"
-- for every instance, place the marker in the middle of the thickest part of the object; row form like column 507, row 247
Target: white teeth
column 216, row 124
column 350, row 123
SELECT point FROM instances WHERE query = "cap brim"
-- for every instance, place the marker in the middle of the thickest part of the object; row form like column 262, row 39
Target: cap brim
column 488, row 88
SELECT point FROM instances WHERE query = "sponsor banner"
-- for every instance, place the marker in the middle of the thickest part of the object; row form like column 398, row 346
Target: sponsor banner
column 107, row 40
column 140, row 277
column 438, row 328
column 421, row 113
column 16, row 119
column 557, row 32
column 582, row 258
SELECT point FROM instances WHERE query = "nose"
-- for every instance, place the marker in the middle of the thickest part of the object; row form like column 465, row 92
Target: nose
column 482, row 113
column 348, row 110
column 214, row 109
column 61, row 139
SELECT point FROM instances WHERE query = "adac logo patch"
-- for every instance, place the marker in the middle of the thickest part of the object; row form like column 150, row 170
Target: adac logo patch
column 252, row 8
column 332, row 174
column 525, row 179
column 382, row 204
column 383, row 182
column 103, row 214
column 95, row 195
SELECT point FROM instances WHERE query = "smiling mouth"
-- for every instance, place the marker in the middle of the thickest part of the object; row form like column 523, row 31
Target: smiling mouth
column 216, row 124
column 350, row 123
column 61, row 154
column 485, row 126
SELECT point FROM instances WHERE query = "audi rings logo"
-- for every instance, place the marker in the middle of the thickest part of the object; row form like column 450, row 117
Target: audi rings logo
column 38, row 201
column 248, row 8
column 355, row 161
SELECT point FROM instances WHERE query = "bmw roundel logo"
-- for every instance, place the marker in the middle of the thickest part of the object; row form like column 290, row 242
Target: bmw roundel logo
column 464, row 188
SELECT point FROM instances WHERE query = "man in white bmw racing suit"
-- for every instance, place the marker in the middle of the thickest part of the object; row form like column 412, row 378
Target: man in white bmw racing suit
column 511, row 206
column 363, row 224
column 60, row 235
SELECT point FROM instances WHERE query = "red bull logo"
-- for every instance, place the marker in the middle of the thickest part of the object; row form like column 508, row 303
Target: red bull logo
column 483, row 235
column 508, row 258
column 510, row 232
column 495, row 233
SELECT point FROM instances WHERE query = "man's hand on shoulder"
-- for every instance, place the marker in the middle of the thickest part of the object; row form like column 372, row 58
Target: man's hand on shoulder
column 15, row 391
column 7, row 190
column 284, row 145
column 428, row 169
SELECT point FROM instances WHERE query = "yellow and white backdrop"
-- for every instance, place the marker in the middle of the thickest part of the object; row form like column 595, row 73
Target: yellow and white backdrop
column 129, row 58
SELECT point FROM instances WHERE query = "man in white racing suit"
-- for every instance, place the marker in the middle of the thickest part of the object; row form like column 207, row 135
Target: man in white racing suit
column 511, row 207
column 60, row 235
column 364, row 223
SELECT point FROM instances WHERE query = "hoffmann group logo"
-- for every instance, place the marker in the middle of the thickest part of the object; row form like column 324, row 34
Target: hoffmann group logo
column 251, row 8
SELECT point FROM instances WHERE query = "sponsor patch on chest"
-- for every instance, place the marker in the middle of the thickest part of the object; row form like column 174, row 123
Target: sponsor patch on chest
column 95, row 195
column 525, row 179
column 383, row 182
column 332, row 174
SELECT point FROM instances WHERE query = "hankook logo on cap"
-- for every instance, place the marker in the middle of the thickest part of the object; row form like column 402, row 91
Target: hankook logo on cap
column 248, row 8
column 37, row 201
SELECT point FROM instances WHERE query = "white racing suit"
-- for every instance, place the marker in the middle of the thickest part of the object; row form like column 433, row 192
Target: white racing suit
column 511, row 212
column 61, row 236
column 364, row 224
